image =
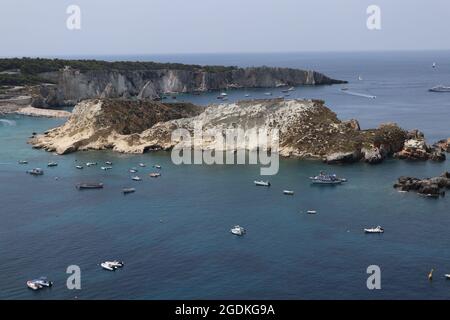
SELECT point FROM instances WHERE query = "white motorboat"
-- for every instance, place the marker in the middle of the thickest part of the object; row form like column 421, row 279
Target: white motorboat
column 440, row 88
column 377, row 229
column 106, row 168
column 268, row 93
column 247, row 95
column 79, row 167
column 112, row 265
column 136, row 178
column 238, row 230
column 311, row 212
column 291, row 89
column 288, row 192
column 447, row 276
column 133, row 170
column 433, row 65
column 107, row 266
column 157, row 166
column 142, row 165
column 154, row 174
column 108, row 163
column 52, row 164
column 23, row 162
column 89, row 164
column 262, row 183
column 36, row 172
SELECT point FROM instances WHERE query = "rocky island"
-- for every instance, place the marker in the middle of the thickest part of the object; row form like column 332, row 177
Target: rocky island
column 307, row 129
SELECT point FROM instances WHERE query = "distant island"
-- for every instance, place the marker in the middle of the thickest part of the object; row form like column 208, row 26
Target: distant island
column 51, row 83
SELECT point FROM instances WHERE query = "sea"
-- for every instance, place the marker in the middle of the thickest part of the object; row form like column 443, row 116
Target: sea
column 174, row 235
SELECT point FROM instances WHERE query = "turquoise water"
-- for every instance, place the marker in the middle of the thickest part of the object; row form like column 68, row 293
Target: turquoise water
column 173, row 233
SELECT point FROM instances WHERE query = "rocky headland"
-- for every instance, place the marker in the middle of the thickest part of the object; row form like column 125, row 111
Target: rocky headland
column 307, row 129
column 53, row 83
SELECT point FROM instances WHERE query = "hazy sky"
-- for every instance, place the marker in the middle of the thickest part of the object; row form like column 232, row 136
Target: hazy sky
column 108, row 27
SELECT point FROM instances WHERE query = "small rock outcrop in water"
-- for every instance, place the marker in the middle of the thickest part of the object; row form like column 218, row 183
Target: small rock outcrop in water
column 307, row 129
column 415, row 148
column 430, row 187
column 443, row 145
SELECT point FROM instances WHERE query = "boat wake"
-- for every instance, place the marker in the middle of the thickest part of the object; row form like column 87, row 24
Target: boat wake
column 7, row 122
column 358, row 94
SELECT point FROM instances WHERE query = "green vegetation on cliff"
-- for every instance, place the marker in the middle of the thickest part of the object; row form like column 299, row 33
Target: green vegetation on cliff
column 26, row 70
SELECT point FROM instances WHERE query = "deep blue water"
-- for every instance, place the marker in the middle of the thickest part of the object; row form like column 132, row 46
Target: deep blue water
column 173, row 233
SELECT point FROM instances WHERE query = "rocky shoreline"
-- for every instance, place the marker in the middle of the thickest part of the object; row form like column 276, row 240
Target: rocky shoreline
column 307, row 129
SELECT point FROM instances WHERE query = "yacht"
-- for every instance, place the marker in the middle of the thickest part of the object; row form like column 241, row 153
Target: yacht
column 36, row 172
column 262, row 183
column 89, row 185
column 440, row 88
column 377, row 229
column 330, row 179
column 288, row 192
column 52, row 164
column 136, row 178
column 23, row 162
column 128, row 190
column 238, row 230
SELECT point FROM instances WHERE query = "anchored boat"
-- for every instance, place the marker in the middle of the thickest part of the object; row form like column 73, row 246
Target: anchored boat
column 155, row 175
column 288, row 192
column 89, row 185
column 39, row 283
column 262, row 183
column 112, row 265
column 238, row 230
column 377, row 229
column 128, row 190
column 440, row 89
column 36, row 172
column 52, row 164
column 330, row 179
column 136, row 178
